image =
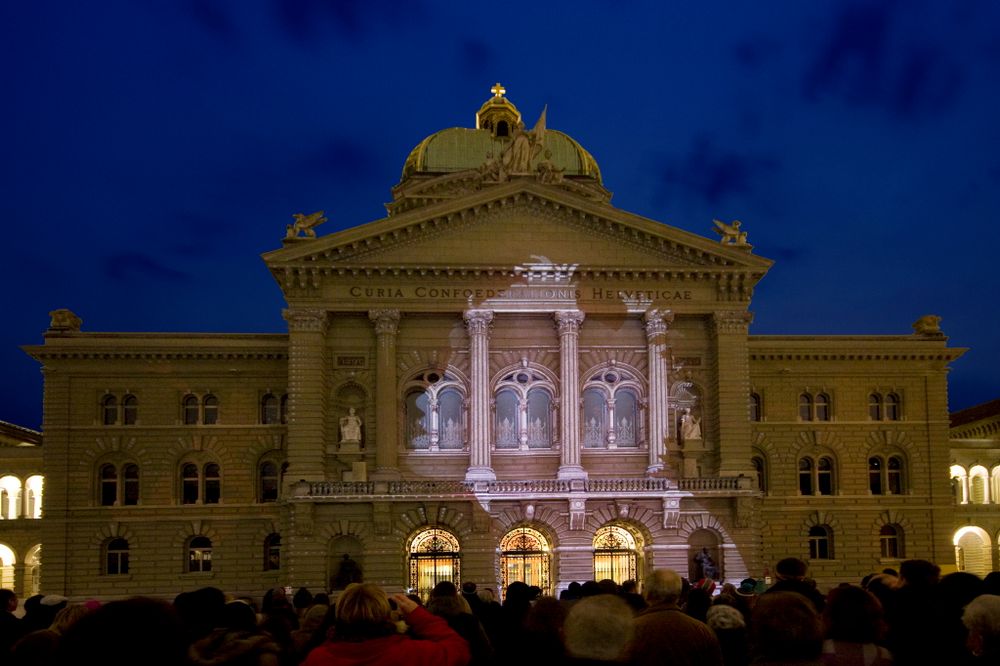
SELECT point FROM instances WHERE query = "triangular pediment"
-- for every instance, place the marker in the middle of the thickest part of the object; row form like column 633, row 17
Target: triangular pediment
column 521, row 223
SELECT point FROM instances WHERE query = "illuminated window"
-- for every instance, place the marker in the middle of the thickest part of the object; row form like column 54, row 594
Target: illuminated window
column 116, row 557
column 616, row 554
column 199, row 555
column 524, row 412
column 611, row 417
column 524, row 556
column 434, row 557
column 820, row 543
column 435, row 414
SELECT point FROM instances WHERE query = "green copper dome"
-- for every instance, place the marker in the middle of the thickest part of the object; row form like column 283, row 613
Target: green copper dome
column 498, row 121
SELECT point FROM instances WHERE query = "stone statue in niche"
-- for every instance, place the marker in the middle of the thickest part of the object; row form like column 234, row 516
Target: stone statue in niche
column 350, row 427
column 690, row 427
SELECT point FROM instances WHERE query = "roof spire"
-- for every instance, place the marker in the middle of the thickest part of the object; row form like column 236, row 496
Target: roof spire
column 498, row 90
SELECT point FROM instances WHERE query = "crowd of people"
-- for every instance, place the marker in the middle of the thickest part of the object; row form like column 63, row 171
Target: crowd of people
column 910, row 616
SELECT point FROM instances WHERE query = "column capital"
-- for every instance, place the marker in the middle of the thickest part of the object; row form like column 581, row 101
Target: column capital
column 657, row 321
column 478, row 321
column 732, row 321
column 568, row 321
column 306, row 319
column 386, row 321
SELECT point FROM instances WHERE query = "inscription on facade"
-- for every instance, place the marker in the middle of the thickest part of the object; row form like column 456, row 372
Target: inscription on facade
column 344, row 361
column 518, row 292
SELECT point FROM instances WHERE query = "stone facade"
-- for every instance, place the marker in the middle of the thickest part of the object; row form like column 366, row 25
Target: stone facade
column 520, row 353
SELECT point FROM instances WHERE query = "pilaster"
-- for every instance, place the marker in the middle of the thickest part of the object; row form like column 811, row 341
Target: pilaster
column 568, row 322
column 478, row 323
column 307, row 393
column 657, row 323
column 386, row 436
column 732, row 390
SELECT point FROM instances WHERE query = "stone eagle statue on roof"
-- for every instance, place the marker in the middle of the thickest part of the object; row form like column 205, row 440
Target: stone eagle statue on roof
column 304, row 225
column 731, row 234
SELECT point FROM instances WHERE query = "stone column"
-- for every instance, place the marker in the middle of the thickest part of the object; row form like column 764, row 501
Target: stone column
column 386, row 435
column 731, row 378
column 568, row 322
column 307, row 393
column 657, row 322
column 478, row 324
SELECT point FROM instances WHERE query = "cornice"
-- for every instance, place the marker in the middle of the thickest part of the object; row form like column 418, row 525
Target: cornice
column 46, row 353
column 941, row 355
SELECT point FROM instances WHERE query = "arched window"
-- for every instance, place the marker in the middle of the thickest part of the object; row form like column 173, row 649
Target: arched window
column 760, row 472
column 199, row 554
column 434, row 557
column 893, row 405
column 805, row 407
column 524, row 556
column 875, row 407
column 959, row 484
column 213, row 484
column 616, row 554
column 272, row 552
column 885, row 475
column 189, row 409
column 891, row 542
column 130, row 410
column 269, row 481
column 822, row 407
column 109, row 408
column 817, row 476
column 611, row 409
column 201, row 486
column 435, row 418
column 130, row 491
column 270, row 412
column 116, row 557
column 820, row 542
column 451, row 432
column 756, row 411
column 109, row 485
column 210, row 410
column 523, row 417
column 815, row 408
column 978, row 485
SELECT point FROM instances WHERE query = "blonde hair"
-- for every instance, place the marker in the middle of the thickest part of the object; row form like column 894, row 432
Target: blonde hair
column 363, row 604
column 67, row 616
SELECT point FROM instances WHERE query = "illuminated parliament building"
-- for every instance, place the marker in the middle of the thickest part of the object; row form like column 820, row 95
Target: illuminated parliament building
column 506, row 378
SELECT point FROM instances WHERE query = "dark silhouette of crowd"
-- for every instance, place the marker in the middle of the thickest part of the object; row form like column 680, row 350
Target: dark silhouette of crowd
column 910, row 616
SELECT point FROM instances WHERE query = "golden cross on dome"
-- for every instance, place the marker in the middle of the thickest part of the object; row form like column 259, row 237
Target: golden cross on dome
column 498, row 90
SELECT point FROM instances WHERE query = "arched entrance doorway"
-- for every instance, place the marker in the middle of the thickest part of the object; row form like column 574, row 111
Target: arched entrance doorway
column 524, row 556
column 617, row 554
column 973, row 551
column 434, row 557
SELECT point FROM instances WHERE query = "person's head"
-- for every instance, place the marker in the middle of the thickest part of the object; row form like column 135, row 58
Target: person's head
column 445, row 588
column 630, row 587
column 853, row 614
column 8, row 600
column 785, row 626
column 468, row 587
column 919, row 573
column 722, row 617
column 239, row 616
column 448, row 605
column 598, row 628
column 67, row 616
column 982, row 618
column 791, row 568
column 486, row 595
column 363, row 612
column 118, row 631
column 663, row 586
column 302, row 599
column 608, row 586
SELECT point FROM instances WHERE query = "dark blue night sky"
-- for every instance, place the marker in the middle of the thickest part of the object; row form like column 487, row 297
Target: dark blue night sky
column 154, row 150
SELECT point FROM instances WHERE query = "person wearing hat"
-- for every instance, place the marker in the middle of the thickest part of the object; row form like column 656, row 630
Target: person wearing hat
column 791, row 574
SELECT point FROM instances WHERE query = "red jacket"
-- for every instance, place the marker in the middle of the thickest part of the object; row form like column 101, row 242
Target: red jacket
column 433, row 643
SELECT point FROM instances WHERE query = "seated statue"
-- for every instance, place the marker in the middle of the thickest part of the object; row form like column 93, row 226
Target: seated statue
column 350, row 427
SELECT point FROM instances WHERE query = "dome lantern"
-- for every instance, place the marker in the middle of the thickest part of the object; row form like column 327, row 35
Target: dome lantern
column 497, row 114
